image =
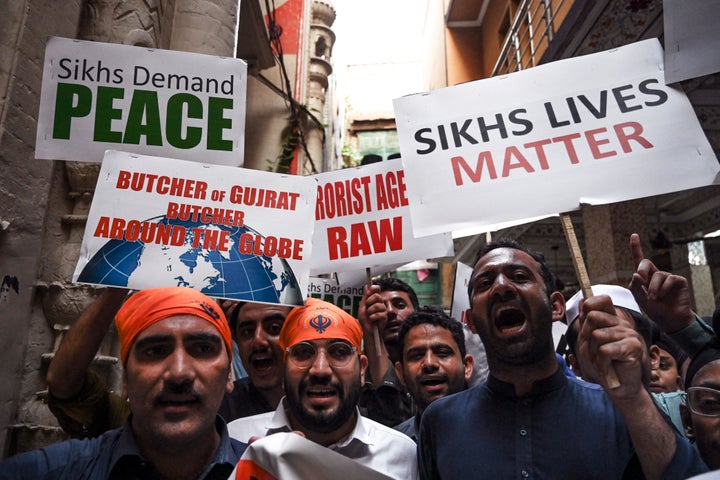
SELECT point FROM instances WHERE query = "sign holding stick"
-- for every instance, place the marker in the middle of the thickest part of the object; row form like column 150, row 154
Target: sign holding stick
column 583, row 278
column 376, row 333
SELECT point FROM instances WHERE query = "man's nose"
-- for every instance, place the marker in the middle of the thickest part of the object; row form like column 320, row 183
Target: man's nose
column 180, row 367
column 260, row 337
column 430, row 362
column 502, row 286
column 320, row 365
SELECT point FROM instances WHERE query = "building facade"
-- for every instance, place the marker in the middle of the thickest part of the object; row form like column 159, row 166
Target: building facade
column 475, row 39
column 45, row 203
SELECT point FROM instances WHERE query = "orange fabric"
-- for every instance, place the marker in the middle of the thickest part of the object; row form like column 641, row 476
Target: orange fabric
column 249, row 470
column 146, row 307
column 319, row 320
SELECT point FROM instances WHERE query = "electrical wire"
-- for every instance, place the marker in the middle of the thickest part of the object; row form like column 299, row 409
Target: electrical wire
column 275, row 32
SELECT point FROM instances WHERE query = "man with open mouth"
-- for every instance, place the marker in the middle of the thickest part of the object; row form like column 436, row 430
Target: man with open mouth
column 528, row 420
column 256, row 329
column 434, row 362
column 324, row 370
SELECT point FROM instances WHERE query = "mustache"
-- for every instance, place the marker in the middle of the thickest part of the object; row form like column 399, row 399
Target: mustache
column 170, row 392
column 322, row 382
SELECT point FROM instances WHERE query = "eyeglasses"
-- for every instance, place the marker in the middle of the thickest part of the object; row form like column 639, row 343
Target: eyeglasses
column 338, row 353
column 704, row 401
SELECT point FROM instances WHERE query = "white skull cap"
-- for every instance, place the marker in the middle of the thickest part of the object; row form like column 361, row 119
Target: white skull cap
column 620, row 296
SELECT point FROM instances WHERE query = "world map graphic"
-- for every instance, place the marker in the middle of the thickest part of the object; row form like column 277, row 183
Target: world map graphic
column 217, row 273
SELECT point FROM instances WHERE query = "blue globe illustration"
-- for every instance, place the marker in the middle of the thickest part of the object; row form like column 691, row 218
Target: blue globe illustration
column 147, row 262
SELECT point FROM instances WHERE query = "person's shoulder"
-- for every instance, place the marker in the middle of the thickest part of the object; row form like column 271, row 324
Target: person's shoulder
column 74, row 455
column 245, row 427
column 241, row 386
column 584, row 386
column 380, row 430
column 454, row 403
column 403, row 426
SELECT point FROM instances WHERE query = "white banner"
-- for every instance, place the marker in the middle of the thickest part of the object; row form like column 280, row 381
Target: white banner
column 289, row 456
column 692, row 38
column 98, row 96
column 346, row 297
column 229, row 232
column 461, row 299
column 596, row 129
column 363, row 220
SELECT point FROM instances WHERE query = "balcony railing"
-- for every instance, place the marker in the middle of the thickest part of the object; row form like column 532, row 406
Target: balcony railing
column 530, row 33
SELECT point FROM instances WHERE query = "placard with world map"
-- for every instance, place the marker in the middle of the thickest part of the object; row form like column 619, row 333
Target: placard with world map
column 229, row 232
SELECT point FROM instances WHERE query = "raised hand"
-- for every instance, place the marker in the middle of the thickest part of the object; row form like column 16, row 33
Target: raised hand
column 664, row 297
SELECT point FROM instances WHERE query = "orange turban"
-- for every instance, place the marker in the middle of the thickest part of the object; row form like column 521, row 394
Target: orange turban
column 146, row 307
column 319, row 320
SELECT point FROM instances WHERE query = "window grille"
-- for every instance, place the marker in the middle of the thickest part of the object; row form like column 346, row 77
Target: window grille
column 529, row 35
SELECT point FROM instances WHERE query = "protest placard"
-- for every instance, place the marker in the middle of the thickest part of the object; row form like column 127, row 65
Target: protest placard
column 289, row 456
column 229, row 232
column 359, row 277
column 97, row 96
column 596, row 129
column 341, row 295
column 363, row 220
column 692, row 39
column 461, row 300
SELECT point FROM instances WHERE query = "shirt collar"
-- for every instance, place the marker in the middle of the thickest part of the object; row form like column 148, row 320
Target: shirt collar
column 554, row 382
column 127, row 446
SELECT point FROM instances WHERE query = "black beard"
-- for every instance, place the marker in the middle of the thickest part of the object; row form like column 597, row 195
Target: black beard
column 320, row 421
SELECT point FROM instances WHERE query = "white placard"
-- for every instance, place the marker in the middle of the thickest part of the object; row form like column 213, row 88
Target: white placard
column 363, row 220
column 596, row 129
column 98, row 96
column 346, row 297
column 229, row 232
column 692, row 38
column 289, row 456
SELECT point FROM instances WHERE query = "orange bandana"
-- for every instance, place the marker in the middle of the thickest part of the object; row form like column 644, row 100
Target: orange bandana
column 319, row 320
column 146, row 307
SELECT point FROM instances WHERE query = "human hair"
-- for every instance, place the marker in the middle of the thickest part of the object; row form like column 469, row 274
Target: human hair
column 234, row 315
column 394, row 284
column 432, row 316
column 545, row 273
column 707, row 354
column 670, row 346
column 643, row 325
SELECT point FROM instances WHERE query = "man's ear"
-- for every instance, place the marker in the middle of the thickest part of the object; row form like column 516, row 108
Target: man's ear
column 363, row 368
column 400, row 373
column 469, row 362
column 557, row 301
column 230, row 385
column 654, row 356
column 687, row 422
column 467, row 320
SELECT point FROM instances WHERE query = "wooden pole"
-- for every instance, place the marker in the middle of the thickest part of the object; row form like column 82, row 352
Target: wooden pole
column 376, row 332
column 581, row 272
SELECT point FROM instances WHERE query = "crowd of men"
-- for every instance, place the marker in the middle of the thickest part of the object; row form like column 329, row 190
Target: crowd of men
column 641, row 398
